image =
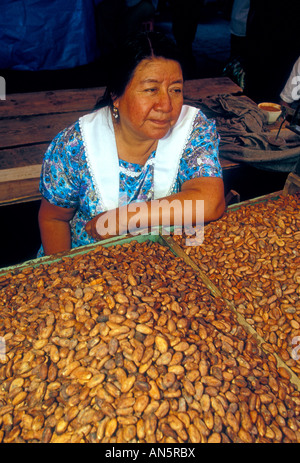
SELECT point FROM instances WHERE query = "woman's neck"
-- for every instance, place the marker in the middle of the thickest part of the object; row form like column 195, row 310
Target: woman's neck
column 134, row 151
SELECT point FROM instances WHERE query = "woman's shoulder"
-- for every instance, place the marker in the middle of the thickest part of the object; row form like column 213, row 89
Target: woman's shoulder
column 201, row 120
column 68, row 141
column 203, row 127
column 69, row 134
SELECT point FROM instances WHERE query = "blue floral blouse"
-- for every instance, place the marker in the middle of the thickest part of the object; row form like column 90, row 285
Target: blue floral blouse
column 66, row 180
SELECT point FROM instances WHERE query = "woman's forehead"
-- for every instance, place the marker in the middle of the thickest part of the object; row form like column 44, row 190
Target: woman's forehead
column 156, row 69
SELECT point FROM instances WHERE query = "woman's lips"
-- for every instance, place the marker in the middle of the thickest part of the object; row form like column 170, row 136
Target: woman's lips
column 157, row 122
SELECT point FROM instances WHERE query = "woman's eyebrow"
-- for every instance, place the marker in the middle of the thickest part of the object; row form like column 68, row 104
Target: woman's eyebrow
column 150, row 80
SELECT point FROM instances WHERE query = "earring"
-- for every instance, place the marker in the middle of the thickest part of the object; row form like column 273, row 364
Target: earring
column 115, row 112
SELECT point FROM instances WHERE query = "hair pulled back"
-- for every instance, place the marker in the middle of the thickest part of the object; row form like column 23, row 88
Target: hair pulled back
column 144, row 45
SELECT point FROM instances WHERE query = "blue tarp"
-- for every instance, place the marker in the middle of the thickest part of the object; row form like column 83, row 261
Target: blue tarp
column 47, row 34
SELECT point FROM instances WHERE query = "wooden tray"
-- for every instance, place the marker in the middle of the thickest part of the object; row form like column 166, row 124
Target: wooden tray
column 164, row 238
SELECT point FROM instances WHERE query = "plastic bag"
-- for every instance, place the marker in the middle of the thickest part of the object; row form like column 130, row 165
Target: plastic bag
column 47, row 35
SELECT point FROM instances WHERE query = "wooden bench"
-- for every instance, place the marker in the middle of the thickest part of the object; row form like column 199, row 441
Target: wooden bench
column 29, row 121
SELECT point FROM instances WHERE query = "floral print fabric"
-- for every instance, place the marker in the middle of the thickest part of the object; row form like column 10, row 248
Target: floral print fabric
column 66, row 180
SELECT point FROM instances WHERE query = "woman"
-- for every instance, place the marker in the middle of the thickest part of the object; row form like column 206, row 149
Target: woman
column 140, row 147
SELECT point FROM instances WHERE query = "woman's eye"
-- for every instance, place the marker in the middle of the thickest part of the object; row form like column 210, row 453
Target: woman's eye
column 171, row 90
column 176, row 90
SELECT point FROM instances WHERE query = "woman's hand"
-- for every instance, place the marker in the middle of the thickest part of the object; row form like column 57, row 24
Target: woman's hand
column 105, row 225
column 90, row 228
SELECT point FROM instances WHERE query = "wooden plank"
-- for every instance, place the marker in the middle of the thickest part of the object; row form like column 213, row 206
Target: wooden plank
column 18, row 191
column 227, row 164
column 34, row 103
column 202, row 88
column 22, row 156
column 182, row 254
column 292, row 184
column 31, row 129
column 20, row 173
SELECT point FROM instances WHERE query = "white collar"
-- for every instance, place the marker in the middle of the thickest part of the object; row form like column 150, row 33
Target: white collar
column 102, row 156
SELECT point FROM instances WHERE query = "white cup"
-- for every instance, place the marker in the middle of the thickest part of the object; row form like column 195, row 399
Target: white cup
column 272, row 111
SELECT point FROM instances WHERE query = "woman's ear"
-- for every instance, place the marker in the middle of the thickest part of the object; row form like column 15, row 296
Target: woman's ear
column 116, row 103
column 115, row 100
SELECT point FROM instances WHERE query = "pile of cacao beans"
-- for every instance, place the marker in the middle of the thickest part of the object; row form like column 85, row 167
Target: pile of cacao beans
column 127, row 345
column 252, row 255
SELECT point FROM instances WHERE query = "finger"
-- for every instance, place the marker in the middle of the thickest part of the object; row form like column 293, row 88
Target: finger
column 88, row 227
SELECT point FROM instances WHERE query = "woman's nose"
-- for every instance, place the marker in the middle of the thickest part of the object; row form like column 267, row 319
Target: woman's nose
column 164, row 102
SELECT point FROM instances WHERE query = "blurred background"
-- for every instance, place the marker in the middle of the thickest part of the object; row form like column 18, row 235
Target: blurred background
column 66, row 43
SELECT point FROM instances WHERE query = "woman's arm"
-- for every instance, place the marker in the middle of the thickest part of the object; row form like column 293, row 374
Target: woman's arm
column 54, row 227
column 185, row 210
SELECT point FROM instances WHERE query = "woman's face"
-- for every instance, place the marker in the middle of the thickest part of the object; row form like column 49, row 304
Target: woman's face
column 152, row 101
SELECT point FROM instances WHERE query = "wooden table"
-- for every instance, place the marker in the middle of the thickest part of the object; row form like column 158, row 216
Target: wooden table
column 29, row 121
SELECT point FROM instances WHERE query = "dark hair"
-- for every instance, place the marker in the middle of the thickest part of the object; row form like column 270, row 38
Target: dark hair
column 121, row 68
